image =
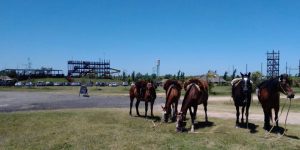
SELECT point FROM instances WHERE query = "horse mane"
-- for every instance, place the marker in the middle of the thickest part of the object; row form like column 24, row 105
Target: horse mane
column 201, row 83
column 235, row 80
column 172, row 82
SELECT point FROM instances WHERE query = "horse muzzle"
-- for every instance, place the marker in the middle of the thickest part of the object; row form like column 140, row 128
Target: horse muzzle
column 291, row 95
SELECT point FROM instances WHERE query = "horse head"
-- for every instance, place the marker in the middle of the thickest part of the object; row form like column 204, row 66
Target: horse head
column 285, row 86
column 246, row 82
column 180, row 124
column 150, row 91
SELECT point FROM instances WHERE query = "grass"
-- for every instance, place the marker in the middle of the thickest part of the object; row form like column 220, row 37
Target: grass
column 115, row 129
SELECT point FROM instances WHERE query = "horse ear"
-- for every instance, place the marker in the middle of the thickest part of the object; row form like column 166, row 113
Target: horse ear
column 249, row 74
column 241, row 74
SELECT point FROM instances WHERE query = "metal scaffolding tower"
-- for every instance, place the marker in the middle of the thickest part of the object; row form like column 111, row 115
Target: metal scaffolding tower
column 273, row 64
column 101, row 69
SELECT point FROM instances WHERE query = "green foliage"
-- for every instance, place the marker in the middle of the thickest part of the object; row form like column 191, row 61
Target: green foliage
column 168, row 76
column 225, row 76
column 133, row 76
column 233, row 74
column 256, row 77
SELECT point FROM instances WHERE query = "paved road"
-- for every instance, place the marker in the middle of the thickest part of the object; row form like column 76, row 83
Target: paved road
column 21, row 101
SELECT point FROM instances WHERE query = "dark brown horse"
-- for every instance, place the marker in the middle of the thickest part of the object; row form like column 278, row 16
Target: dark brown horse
column 173, row 91
column 241, row 94
column 142, row 91
column 269, row 96
column 196, row 94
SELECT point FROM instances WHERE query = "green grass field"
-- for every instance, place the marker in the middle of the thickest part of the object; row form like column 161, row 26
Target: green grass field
column 115, row 129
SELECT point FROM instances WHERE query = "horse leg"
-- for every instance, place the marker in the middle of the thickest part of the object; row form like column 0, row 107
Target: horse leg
column 191, row 113
column 152, row 102
column 137, row 107
column 205, row 110
column 131, row 102
column 146, row 108
column 276, row 116
column 267, row 119
column 237, row 116
column 243, row 110
column 175, row 111
column 247, row 114
column 194, row 117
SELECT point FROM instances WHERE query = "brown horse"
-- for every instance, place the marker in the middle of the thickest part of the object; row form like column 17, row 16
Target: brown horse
column 196, row 94
column 268, row 95
column 173, row 91
column 241, row 94
column 142, row 91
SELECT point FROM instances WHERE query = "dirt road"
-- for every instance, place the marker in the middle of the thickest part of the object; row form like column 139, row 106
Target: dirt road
column 24, row 101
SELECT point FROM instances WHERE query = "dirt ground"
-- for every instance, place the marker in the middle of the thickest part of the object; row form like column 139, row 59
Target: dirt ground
column 25, row 101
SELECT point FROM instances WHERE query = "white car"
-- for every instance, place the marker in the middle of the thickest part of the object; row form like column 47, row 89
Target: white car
column 19, row 84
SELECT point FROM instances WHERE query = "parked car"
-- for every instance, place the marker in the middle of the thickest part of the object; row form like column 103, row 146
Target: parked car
column 75, row 83
column 29, row 84
column 66, row 83
column 40, row 83
column 58, row 84
column 100, row 84
column 19, row 83
column 90, row 84
column 125, row 83
column 49, row 84
column 113, row 84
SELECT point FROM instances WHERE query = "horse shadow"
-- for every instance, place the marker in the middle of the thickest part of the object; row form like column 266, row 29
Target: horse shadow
column 154, row 118
column 282, row 131
column 203, row 124
column 251, row 127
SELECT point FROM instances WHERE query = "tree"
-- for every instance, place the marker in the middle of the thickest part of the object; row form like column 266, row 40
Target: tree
column 138, row 76
column 225, row 76
column 168, row 76
column 133, row 76
column 123, row 76
column 182, row 76
column 233, row 74
column 256, row 77
column 178, row 75
column 153, row 76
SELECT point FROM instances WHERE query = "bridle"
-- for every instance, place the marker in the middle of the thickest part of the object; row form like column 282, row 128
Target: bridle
column 284, row 92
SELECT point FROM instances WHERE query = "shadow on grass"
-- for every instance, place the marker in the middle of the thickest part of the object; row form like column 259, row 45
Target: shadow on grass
column 200, row 125
column 252, row 127
column 154, row 118
column 280, row 130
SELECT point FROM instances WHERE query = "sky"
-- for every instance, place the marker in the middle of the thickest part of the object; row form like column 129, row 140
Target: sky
column 193, row 36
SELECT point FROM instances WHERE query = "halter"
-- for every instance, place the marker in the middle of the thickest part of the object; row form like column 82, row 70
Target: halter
column 284, row 92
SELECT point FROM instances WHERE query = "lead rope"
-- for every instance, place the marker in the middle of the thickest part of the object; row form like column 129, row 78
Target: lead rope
column 286, row 119
column 268, row 133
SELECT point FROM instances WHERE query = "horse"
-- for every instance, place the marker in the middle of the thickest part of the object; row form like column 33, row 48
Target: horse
column 196, row 94
column 173, row 92
column 241, row 94
column 268, row 93
column 142, row 91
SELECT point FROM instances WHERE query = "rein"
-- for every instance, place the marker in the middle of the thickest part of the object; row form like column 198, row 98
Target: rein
column 268, row 133
column 284, row 92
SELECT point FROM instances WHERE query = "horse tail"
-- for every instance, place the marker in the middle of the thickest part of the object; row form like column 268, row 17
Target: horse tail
column 257, row 92
column 169, row 91
column 271, row 118
column 187, row 92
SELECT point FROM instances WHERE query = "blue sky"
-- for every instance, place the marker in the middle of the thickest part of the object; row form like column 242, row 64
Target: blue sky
column 191, row 36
